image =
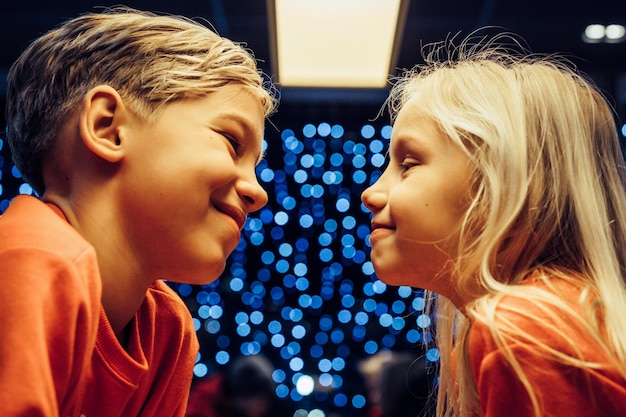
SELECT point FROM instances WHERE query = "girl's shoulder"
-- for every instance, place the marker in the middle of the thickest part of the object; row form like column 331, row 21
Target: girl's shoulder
column 553, row 313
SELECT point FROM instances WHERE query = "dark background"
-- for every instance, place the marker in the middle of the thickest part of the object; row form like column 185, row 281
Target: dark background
column 299, row 287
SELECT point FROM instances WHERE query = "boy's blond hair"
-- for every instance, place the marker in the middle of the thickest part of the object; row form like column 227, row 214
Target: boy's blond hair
column 150, row 59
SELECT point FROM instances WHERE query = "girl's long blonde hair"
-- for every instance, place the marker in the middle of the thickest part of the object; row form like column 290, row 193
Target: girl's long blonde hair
column 548, row 199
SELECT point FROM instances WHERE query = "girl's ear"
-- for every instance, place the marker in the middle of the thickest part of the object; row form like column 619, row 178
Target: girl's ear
column 99, row 124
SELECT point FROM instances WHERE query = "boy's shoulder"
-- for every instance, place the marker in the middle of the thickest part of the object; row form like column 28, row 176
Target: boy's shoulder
column 30, row 223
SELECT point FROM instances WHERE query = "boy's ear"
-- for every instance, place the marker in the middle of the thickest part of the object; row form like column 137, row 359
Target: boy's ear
column 99, row 124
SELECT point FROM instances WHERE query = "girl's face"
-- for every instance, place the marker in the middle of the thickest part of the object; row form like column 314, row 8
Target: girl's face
column 417, row 205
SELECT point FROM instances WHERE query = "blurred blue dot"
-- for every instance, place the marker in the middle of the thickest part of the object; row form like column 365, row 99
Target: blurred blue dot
column 289, row 203
column 306, row 161
column 358, row 401
column 256, row 317
column 389, row 340
column 379, row 287
column 278, row 375
column 398, row 323
column 306, row 221
column 302, row 284
column 405, row 291
column 337, row 336
column 323, row 129
column 26, row 189
column 348, row 147
column 419, row 303
column 281, row 218
column 338, row 364
column 347, row 300
column 300, row 176
column 378, row 160
column 358, row 333
column 385, row 320
column 16, row 172
column 317, row 191
column 282, row 391
column 413, row 336
column 243, row 330
column 385, row 132
column 277, row 340
column 326, row 322
column 266, row 216
column 336, row 159
column 309, row 130
column 376, row 146
column 361, row 318
column 423, row 321
column 267, row 258
column 370, row 347
column 277, row 293
column 340, row 400
column 296, row 364
column 200, row 370
column 267, row 175
column 432, row 355
column 236, row 284
column 344, row 316
column 398, row 306
column 359, row 176
column 298, row 331
column 222, row 357
column 290, row 160
column 336, row 131
column 212, row 326
column 330, row 225
column 367, row 131
column 282, row 265
column 343, row 205
column 324, row 365
column 321, row 338
column 316, row 351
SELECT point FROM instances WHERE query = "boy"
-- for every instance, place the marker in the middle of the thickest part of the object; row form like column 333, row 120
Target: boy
column 141, row 134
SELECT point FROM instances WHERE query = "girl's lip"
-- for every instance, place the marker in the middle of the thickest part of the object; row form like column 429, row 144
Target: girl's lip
column 376, row 225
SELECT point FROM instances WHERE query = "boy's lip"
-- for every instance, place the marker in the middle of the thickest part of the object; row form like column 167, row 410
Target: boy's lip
column 235, row 212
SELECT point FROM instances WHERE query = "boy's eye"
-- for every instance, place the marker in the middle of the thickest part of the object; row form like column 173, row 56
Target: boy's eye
column 233, row 142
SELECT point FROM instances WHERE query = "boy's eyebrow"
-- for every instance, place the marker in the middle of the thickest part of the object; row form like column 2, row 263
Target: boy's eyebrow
column 248, row 130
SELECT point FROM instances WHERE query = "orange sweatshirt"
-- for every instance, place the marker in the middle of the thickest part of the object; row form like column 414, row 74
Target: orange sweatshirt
column 58, row 353
column 562, row 390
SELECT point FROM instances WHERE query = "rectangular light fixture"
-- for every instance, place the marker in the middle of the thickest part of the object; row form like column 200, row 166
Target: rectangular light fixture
column 335, row 43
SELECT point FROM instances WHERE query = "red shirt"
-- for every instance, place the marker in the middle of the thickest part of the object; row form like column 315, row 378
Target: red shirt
column 563, row 390
column 58, row 355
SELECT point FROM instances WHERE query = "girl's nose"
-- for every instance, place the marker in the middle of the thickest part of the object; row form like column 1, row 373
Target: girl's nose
column 373, row 198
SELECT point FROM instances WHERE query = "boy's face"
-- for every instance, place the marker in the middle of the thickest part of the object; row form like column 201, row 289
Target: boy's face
column 189, row 181
column 417, row 204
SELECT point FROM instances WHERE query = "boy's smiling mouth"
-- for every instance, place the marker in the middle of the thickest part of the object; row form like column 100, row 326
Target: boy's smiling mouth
column 235, row 213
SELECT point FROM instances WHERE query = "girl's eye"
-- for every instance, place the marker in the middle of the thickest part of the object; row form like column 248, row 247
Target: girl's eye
column 408, row 163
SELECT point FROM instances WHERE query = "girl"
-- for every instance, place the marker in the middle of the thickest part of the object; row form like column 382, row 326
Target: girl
column 505, row 195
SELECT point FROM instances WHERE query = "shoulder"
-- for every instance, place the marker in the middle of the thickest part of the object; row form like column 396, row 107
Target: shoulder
column 41, row 249
column 539, row 336
column 29, row 223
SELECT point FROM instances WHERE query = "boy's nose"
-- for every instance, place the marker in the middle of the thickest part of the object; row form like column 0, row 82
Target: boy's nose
column 253, row 194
